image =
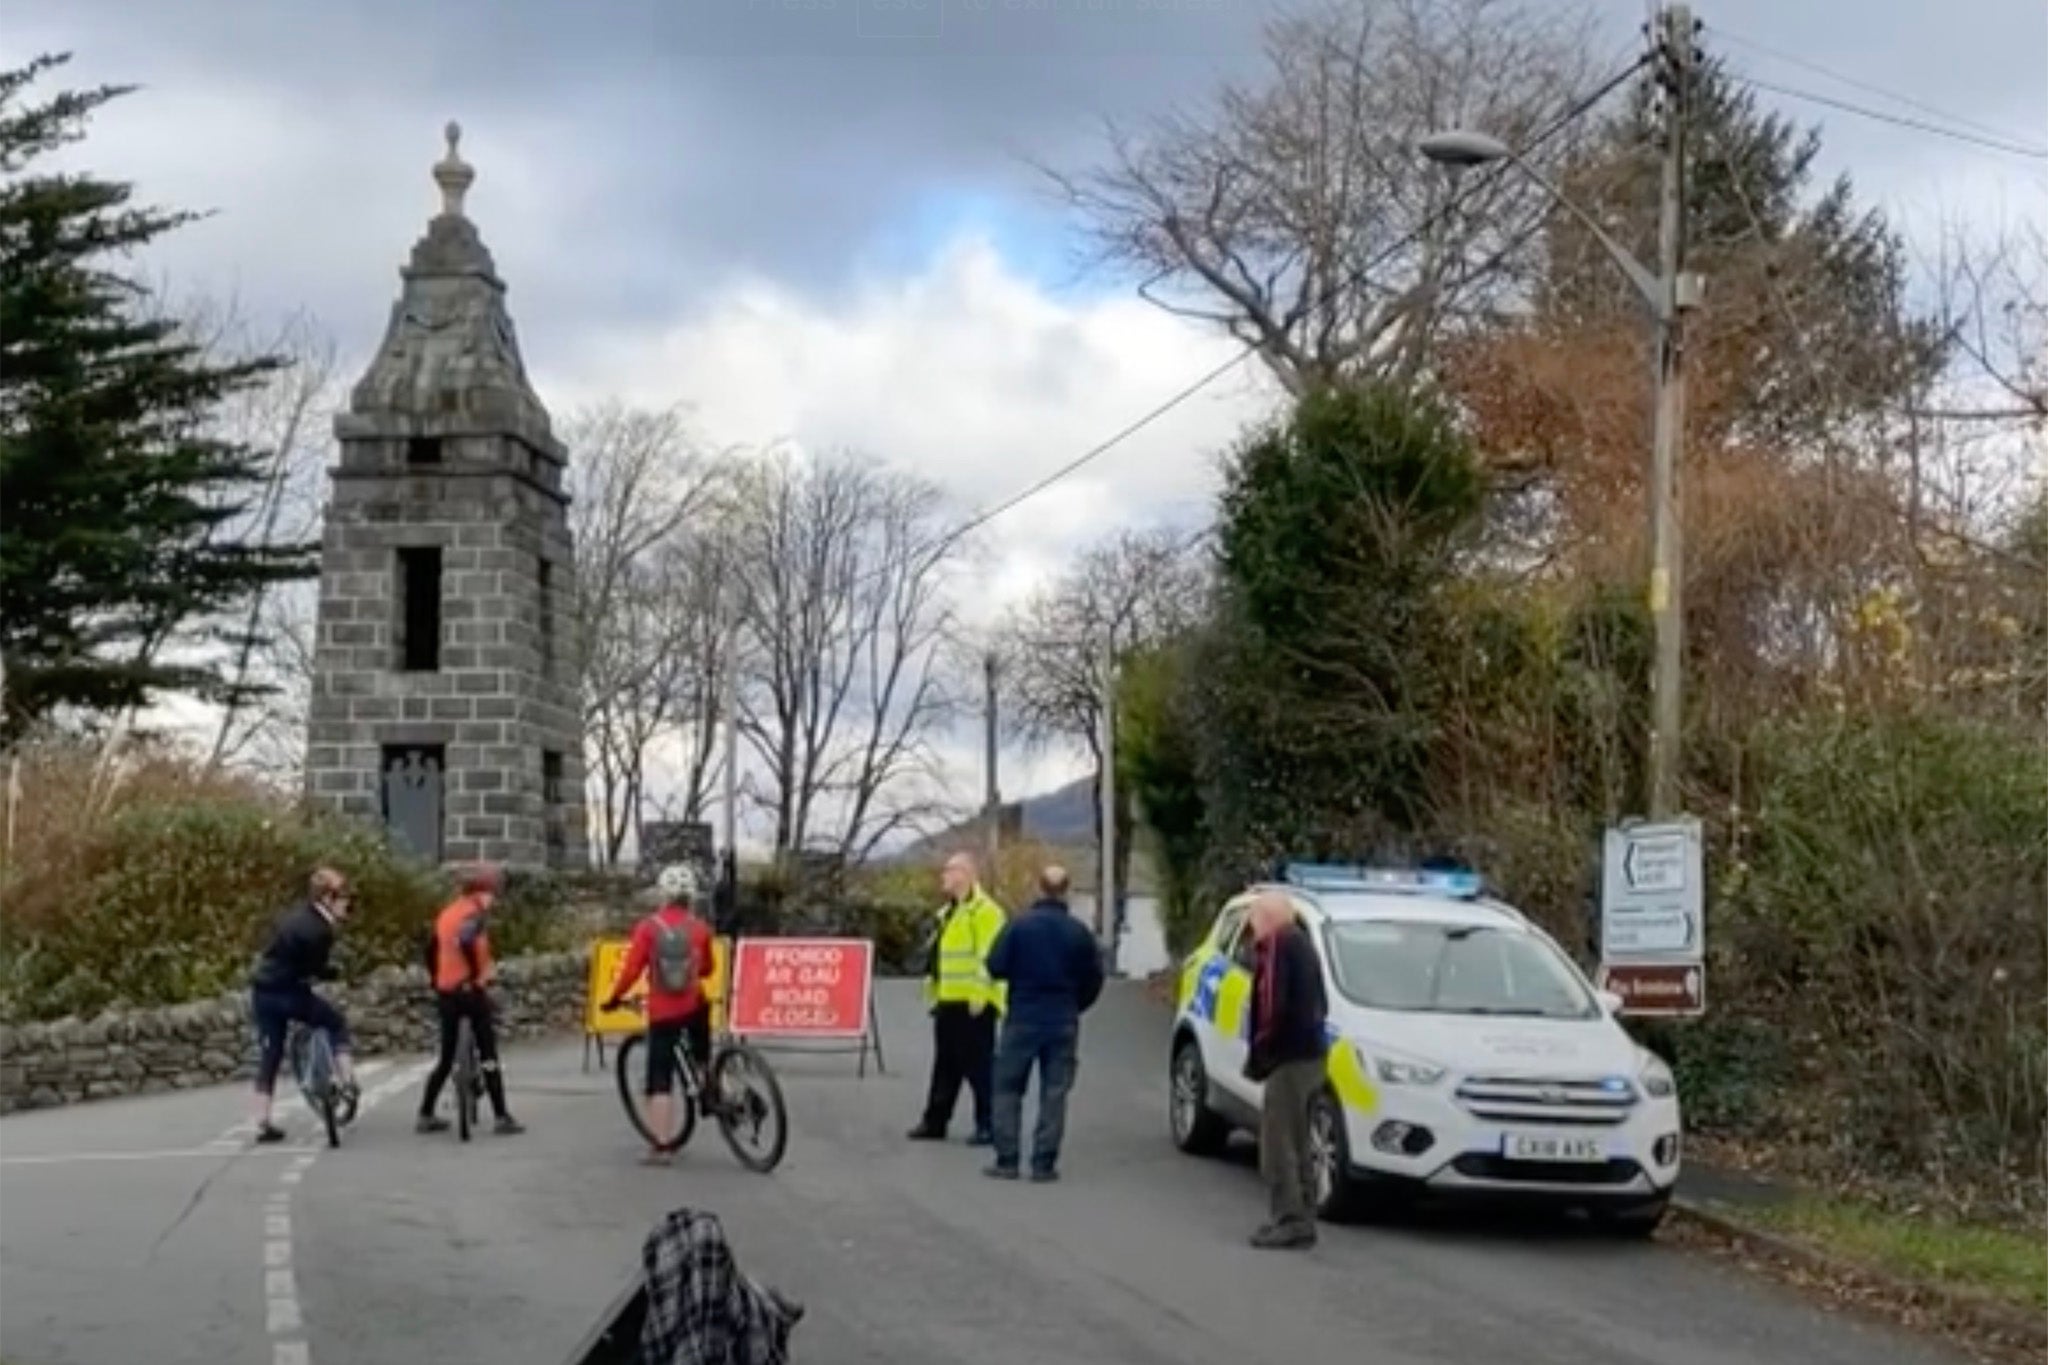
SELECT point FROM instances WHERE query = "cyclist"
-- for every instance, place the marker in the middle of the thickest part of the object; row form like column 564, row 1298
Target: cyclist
column 673, row 947
column 460, row 966
column 281, row 989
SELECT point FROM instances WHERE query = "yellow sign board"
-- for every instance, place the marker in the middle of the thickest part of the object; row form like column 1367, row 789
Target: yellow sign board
column 608, row 956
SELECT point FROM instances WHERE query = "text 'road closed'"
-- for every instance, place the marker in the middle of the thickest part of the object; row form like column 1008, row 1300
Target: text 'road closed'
column 802, row 987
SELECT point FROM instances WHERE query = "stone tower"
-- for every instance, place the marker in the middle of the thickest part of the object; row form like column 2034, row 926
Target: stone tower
column 444, row 703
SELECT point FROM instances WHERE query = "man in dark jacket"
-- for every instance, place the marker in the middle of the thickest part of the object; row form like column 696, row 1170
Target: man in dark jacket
column 1053, row 969
column 281, row 989
column 1287, row 1053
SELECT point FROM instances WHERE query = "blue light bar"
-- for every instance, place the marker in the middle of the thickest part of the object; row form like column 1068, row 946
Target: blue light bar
column 1399, row 881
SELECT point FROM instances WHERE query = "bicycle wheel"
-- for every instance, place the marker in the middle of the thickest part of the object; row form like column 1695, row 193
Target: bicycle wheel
column 748, row 1101
column 632, row 1074
column 318, row 1083
column 467, row 1080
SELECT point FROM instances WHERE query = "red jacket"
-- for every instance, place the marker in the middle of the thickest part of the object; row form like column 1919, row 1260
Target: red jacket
column 666, row 1007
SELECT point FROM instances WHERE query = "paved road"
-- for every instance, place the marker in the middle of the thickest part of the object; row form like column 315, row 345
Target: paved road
column 125, row 1236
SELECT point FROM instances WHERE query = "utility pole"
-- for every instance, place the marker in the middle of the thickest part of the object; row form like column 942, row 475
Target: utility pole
column 1674, row 66
column 992, row 805
column 729, row 703
column 1105, row 899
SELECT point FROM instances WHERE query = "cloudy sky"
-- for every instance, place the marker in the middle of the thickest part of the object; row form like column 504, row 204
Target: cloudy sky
column 816, row 219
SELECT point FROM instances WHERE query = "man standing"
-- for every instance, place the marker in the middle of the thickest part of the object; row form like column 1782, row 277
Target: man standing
column 964, row 1002
column 1287, row 1053
column 673, row 948
column 1053, row 971
column 281, row 989
column 460, row 965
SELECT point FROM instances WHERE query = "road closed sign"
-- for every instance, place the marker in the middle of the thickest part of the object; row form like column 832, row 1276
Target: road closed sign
column 802, row 987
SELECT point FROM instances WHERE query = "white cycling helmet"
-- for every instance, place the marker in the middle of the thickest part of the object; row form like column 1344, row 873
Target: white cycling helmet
column 678, row 882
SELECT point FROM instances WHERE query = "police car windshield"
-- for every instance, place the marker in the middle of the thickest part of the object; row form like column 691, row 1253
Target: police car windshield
column 1455, row 969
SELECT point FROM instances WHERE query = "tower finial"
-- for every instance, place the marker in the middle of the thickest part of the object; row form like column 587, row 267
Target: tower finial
column 452, row 173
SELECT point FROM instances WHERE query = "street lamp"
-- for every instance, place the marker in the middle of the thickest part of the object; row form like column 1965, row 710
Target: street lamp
column 1670, row 292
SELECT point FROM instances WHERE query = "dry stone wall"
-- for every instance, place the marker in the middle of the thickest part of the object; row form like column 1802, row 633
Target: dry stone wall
column 208, row 1042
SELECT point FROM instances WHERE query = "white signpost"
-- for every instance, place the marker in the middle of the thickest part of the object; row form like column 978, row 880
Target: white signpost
column 1653, row 917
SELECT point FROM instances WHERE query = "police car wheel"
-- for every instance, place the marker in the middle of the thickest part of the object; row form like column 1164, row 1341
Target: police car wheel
column 1196, row 1127
column 1336, row 1193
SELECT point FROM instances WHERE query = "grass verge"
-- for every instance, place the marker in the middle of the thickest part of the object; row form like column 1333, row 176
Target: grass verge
column 1996, row 1263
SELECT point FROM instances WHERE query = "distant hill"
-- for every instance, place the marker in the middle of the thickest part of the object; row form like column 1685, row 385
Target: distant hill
column 1063, row 818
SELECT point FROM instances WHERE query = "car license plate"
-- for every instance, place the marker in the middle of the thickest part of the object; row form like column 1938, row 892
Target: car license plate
column 1552, row 1147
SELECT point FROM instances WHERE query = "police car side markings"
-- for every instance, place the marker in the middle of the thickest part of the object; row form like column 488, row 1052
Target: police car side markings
column 1232, row 994
column 1207, row 981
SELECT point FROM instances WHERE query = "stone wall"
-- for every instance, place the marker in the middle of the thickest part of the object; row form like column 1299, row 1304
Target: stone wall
column 208, row 1042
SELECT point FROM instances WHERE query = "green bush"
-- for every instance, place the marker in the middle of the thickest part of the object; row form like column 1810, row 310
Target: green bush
column 1885, row 901
column 169, row 893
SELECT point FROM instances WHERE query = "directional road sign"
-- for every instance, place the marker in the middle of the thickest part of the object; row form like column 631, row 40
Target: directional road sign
column 1653, row 915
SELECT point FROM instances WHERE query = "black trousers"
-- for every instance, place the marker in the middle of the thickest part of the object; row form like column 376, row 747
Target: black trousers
column 963, row 1049
column 454, row 1007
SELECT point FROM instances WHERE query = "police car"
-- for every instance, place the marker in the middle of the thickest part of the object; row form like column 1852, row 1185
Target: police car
column 1468, row 1054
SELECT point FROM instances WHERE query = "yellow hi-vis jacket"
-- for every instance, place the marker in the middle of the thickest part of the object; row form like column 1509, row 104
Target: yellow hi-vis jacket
column 959, row 968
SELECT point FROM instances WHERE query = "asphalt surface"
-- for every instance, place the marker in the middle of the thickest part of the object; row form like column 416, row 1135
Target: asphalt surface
column 126, row 1237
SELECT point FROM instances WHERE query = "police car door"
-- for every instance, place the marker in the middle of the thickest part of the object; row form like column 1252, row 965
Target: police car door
column 1233, row 1010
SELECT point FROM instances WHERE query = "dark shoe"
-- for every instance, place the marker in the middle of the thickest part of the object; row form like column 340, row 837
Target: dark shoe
column 998, row 1171
column 922, row 1133
column 508, row 1127
column 269, row 1133
column 1044, row 1176
column 982, row 1138
column 1287, row 1236
column 427, row 1123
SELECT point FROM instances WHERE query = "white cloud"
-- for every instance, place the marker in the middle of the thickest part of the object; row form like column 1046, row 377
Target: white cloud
column 967, row 373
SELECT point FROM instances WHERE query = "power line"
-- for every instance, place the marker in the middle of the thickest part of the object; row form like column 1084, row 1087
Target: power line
column 1898, row 120
column 1865, row 86
column 1353, row 279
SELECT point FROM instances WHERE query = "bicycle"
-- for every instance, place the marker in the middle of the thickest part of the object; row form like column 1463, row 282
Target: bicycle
column 740, row 1092
column 312, row 1057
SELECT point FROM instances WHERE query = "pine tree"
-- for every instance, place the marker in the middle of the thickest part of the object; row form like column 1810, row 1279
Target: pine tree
column 118, row 500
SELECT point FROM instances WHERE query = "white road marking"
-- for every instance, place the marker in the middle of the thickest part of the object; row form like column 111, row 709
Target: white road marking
column 170, row 1154
column 283, row 1318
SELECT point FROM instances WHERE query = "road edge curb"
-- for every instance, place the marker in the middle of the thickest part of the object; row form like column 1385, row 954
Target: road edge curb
column 1982, row 1314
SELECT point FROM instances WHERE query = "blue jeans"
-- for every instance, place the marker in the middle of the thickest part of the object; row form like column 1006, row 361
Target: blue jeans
column 1054, row 1049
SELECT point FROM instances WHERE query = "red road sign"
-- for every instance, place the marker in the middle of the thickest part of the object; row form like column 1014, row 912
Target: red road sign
column 1666, row 988
column 802, row 987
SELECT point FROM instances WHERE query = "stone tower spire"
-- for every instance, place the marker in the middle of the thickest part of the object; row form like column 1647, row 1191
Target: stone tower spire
column 444, row 703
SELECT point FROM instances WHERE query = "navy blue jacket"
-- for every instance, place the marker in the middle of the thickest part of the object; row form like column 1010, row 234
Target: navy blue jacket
column 298, row 953
column 1051, row 964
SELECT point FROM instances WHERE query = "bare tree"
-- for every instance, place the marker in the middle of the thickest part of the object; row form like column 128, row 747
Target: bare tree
column 1297, row 214
column 838, row 568
column 641, row 491
column 1133, row 590
column 286, row 419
